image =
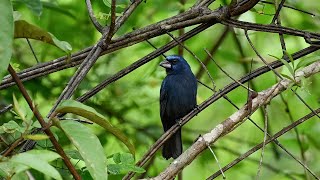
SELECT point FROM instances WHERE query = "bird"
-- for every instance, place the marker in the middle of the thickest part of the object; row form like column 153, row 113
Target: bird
column 177, row 98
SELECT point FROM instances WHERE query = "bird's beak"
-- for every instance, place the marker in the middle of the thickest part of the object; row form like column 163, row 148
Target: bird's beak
column 166, row 64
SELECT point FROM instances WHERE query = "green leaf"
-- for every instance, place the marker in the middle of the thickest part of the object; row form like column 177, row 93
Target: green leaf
column 6, row 35
column 75, row 107
column 25, row 30
column 286, row 64
column 11, row 127
column 18, row 109
column 124, row 163
column 74, row 154
column 36, row 137
column 36, row 162
column 107, row 3
column 88, row 146
column 306, row 62
column 34, row 5
column 288, row 77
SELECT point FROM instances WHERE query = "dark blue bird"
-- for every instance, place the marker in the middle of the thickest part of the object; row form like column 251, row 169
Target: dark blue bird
column 177, row 98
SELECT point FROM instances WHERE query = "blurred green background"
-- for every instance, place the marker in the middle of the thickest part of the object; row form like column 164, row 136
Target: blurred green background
column 132, row 103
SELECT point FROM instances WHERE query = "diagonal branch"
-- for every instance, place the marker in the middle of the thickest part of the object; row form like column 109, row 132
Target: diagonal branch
column 43, row 124
column 259, row 146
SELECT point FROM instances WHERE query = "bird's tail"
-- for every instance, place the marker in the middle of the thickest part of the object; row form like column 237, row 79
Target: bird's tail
column 173, row 147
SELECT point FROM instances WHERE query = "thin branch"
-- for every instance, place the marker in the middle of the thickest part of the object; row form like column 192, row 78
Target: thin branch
column 264, row 108
column 224, row 128
column 93, row 19
column 213, row 50
column 43, row 124
column 190, row 17
column 257, row 147
column 194, row 55
column 33, row 53
column 275, row 17
column 6, row 108
column 113, row 21
column 290, row 7
column 277, row 74
column 141, row 62
column 240, row 84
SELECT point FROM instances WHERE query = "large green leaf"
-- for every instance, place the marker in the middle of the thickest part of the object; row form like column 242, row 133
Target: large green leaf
column 75, row 107
column 36, row 160
column 22, row 29
column 89, row 147
column 6, row 35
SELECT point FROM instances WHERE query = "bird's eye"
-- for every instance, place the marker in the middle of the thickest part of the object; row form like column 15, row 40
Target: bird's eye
column 174, row 61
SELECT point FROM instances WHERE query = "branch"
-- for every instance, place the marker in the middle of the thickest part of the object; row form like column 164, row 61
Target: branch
column 191, row 17
column 224, row 128
column 259, row 146
column 44, row 124
column 93, row 19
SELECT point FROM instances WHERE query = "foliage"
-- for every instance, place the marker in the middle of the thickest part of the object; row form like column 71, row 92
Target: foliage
column 124, row 117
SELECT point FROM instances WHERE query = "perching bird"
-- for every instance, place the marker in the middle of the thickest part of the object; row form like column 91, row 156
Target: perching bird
column 177, row 98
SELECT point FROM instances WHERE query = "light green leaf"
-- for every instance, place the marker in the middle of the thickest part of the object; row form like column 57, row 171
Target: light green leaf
column 288, row 77
column 306, row 62
column 18, row 109
column 124, row 163
column 88, row 146
column 286, row 64
column 25, row 30
column 75, row 107
column 11, row 127
column 6, row 35
column 36, row 162
column 36, row 137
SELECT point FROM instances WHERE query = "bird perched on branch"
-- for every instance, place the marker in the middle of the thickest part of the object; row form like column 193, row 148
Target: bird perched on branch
column 177, row 98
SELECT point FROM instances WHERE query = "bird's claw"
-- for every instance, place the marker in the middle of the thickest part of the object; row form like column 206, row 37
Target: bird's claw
column 179, row 122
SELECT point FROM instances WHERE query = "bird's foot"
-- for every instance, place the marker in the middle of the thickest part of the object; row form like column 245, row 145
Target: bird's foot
column 179, row 122
column 197, row 108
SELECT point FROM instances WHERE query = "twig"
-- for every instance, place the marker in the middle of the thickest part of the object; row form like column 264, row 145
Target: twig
column 12, row 147
column 93, row 19
column 6, row 108
column 257, row 147
column 290, row 7
column 43, row 124
column 240, row 84
column 215, row 157
column 268, row 166
column 194, row 55
column 213, row 50
column 33, row 53
column 275, row 17
column 264, row 108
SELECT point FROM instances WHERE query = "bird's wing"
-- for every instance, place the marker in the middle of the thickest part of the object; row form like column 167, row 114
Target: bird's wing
column 163, row 104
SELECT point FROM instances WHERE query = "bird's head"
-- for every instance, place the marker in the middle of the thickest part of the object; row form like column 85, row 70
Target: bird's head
column 175, row 64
